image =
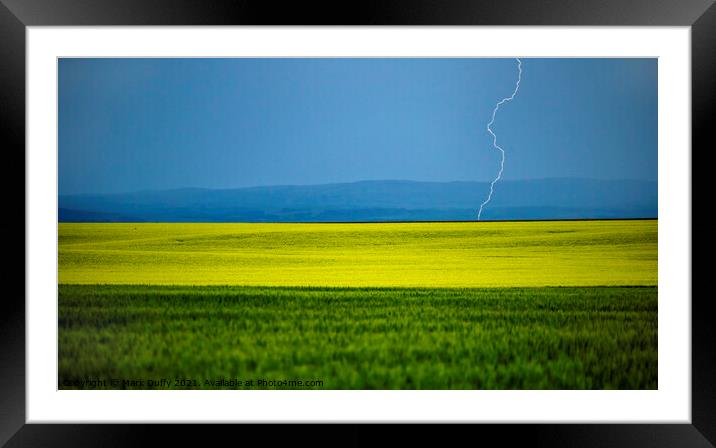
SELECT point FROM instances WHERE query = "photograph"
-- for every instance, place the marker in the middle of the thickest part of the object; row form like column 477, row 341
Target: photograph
column 355, row 223
column 472, row 216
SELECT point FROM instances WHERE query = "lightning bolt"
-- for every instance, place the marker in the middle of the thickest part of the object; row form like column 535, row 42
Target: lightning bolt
column 494, row 137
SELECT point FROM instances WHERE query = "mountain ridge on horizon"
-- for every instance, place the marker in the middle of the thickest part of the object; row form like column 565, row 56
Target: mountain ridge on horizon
column 366, row 181
column 371, row 200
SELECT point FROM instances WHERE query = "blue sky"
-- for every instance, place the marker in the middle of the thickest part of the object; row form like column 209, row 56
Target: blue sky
column 144, row 124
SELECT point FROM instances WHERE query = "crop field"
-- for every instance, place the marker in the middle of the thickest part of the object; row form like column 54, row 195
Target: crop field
column 579, row 253
column 512, row 305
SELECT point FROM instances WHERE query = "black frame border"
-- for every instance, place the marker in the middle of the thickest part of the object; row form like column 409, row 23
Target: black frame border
column 16, row 15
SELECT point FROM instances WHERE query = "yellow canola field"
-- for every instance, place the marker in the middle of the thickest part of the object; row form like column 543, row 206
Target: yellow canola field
column 460, row 254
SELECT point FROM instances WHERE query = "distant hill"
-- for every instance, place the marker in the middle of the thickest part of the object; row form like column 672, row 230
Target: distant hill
column 373, row 201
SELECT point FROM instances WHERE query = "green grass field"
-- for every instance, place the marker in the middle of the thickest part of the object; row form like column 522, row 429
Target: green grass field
column 521, row 305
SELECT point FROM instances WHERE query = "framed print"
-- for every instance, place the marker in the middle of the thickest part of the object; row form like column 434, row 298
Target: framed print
column 280, row 217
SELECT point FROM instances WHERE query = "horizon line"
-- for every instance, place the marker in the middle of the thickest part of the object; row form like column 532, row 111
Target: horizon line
column 156, row 190
column 656, row 218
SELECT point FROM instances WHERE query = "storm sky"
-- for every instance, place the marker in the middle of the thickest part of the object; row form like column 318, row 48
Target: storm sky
column 145, row 124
